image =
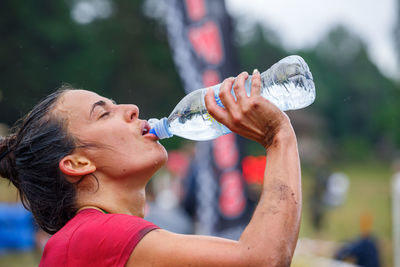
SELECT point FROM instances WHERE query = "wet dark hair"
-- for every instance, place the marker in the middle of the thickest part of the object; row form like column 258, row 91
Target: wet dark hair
column 32, row 153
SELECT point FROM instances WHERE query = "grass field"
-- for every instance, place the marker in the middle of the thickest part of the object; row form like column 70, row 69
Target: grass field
column 369, row 192
column 28, row 259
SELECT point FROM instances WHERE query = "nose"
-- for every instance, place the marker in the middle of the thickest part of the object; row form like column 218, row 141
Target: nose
column 131, row 112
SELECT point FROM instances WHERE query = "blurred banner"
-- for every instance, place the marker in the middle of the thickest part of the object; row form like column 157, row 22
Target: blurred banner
column 17, row 231
column 200, row 36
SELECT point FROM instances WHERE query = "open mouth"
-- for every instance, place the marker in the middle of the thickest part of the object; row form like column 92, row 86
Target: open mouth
column 145, row 128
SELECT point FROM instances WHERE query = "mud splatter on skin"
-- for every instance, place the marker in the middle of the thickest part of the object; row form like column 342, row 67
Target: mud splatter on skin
column 270, row 131
column 282, row 192
column 280, row 189
column 294, row 199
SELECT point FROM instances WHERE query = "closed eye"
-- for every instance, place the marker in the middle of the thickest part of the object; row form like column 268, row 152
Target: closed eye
column 104, row 114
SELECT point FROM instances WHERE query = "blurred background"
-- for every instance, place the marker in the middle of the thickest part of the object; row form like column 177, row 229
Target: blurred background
column 349, row 139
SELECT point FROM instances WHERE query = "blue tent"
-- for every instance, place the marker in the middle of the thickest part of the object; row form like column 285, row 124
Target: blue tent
column 17, row 230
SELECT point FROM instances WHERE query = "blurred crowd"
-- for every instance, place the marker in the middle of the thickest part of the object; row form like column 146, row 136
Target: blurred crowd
column 170, row 205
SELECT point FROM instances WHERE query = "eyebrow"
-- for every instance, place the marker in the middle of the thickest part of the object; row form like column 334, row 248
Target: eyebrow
column 100, row 103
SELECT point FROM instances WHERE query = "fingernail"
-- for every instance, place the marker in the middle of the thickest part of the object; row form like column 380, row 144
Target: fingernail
column 255, row 71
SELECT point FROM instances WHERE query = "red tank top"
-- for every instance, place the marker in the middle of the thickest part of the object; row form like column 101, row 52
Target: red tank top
column 93, row 238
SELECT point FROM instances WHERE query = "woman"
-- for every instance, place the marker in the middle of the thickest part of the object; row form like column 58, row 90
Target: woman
column 81, row 164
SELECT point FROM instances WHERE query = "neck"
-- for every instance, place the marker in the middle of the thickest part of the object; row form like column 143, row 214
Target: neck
column 112, row 197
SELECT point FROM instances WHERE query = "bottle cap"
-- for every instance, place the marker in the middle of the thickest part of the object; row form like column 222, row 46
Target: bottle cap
column 160, row 128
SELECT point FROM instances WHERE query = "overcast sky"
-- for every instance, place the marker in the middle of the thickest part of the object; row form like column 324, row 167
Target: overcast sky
column 301, row 24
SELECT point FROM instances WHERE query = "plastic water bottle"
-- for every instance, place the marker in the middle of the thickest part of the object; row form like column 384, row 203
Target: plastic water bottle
column 288, row 84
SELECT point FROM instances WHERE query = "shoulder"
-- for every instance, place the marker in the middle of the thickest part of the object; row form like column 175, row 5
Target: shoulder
column 104, row 238
column 115, row 229
column 97, row 223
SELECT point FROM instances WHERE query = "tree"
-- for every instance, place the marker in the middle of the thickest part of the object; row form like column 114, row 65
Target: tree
column 356, row 102
column 124, row 56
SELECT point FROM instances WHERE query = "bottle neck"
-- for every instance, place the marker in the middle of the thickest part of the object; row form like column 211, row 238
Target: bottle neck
column 161, row 129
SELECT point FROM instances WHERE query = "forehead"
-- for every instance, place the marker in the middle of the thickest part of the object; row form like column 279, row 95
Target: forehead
column 76, row 104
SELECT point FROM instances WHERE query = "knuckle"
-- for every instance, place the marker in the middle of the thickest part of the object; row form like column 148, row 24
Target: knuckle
column 228, row 80
column 246, row 109
column 211, row 109
column 214, row 115
column 254, row 103
column 223, row 94
column 237, row 118
column 236, row 86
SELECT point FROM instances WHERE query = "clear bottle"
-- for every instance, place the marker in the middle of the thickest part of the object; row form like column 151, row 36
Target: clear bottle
column 288, row 84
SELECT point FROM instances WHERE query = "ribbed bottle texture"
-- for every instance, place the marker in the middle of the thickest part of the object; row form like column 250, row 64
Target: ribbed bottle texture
column 288, row 84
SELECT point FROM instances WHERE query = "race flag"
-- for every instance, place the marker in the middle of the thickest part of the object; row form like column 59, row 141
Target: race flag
column 200, row 36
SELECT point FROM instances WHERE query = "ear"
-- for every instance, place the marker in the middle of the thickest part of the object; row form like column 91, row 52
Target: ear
column 76, row 165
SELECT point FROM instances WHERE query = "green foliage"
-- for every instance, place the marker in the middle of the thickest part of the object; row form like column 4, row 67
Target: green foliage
column 353, row 96
column 259, row 52
column 358, row 105
column 369, row 192
column 126, row 57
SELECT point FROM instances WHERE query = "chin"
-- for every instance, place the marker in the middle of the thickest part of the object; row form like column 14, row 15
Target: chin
column 164, row 154
column 164, row 158
column 160, row 159
column 156, row 166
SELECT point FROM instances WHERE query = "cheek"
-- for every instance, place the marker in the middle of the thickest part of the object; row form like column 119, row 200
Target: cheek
column 147, row 158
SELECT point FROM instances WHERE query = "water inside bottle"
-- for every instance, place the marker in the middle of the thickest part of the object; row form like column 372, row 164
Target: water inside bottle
column 191, row 120
column 294, row 92
column 288, row 84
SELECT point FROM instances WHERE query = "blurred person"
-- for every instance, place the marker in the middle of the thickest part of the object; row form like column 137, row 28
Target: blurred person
column 363, row 250
column 395, row 186
column 318, row 208
column 81, row 164
column 163, row 203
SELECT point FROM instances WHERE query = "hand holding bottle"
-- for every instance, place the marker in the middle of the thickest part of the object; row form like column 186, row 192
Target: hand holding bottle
column 253, row 117
column 271, row 236
column 288, row 84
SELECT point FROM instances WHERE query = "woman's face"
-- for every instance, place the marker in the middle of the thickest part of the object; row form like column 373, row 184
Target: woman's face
column 125, row 147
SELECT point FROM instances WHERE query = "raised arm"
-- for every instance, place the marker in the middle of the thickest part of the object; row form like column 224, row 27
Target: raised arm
column 270, row 237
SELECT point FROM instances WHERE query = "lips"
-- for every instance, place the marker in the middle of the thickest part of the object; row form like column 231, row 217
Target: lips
column 146, row 132
column 145, row 128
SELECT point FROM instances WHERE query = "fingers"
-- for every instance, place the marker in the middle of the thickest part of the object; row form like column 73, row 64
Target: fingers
column 239, row 87
column 217, row 112
column 256, row 83
column 232, row 111
column 225, row 95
